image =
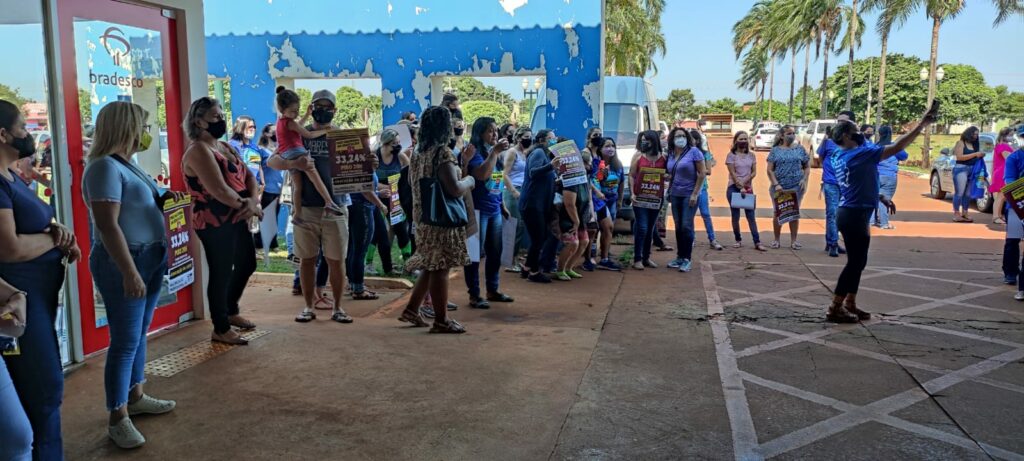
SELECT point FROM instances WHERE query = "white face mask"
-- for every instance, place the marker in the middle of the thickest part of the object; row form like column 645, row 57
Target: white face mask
column 679, row 142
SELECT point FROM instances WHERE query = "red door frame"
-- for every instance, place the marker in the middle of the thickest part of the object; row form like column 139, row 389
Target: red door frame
column 93, row 338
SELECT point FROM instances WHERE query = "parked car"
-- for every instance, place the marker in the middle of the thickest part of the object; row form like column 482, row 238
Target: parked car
column 942, row 172
column 767, row 124
column 812, row 136
column 764, row 137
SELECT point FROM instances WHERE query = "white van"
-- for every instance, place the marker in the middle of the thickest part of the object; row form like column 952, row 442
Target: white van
column 629, row 107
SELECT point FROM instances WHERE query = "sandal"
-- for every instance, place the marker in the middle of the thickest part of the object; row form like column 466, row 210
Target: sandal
column 241, row 323
column 498, row 297
column 759, row 247
column 341, row 317
column 839, row 315
column 775, row 245
column 305, row 316
column 365, row 295
column 861, row 315
column 479, row 303
column 796, row 246
column 230, row 337
column 413, row 318
column 959, row 219
column 716, row 246
column 737, row 245
column 323, row 303
column 665, row 248
column 449, row 327
column 426, row 312
column 999, row 221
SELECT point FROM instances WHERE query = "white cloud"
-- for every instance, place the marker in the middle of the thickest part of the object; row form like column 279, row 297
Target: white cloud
column 510, row 6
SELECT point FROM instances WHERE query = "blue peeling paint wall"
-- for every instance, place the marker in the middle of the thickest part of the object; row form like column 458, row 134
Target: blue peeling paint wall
column 568, row 55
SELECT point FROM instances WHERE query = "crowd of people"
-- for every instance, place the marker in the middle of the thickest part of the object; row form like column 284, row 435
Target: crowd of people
column 456, row 195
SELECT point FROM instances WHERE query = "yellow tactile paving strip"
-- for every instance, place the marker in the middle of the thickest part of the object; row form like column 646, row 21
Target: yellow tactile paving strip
column 183, row 359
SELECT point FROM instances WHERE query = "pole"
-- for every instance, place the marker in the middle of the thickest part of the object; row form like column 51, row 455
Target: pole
column 867, row 112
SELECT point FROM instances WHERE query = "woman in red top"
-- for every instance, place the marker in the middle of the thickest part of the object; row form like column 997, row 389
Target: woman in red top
column 1003, row 150
column 225, row 195
column 645, row 212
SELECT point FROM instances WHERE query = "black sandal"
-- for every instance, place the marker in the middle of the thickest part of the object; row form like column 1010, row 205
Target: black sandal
column 449, row 327
column 479, row 303
column 861, row 315
column 305, row 316
column 365, row 295
column 413, row 318
column 840, row 315
column 341, row 317
column 499, row 297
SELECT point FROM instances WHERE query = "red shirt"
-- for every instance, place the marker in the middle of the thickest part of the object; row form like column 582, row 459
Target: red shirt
column 287, row 139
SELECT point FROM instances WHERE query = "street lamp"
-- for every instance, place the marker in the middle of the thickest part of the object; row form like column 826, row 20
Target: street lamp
column 926, row 147
column 448, row 86
column 527, row 92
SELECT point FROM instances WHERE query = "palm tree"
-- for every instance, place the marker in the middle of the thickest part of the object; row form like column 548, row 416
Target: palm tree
column 749, row 34
column 829, row 23
column 753, row 74
column 633, row 36
column 893, row 13
column 851, row 41
column 788, row 34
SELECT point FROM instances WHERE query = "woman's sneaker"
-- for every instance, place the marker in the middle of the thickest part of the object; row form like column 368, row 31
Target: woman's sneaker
column 650, row 264
column 685, row 266
column 150, row 406
column 1019, row 296
column 125, row 435
column 608, row 265
column 833, row 251
column 675, row 263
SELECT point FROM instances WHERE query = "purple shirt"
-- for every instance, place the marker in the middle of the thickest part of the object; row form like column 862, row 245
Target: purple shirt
column 682, row 171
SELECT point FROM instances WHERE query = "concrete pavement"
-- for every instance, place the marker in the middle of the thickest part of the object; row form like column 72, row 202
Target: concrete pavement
column 730, row 361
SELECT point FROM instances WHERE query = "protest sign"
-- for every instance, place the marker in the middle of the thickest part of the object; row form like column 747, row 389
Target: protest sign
column 351, row 164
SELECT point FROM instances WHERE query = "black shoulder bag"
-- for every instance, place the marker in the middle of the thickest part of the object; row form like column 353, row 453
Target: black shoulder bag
column 438, row 208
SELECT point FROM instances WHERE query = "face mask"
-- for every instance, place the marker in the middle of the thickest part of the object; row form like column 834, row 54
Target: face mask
column 645, row 146
column 26, row 146
column 552, row 142
column 679, row 142
column 510, row 139
column 217, row 129
column 524, row 143
column 451, row 143
column 323, row 116
column 396, row 149
column 145, row 141
column 790, row 138
column 608, row 151
column 273, row 138
column 869, row 135
column 596, row 141
column 742, row 145
column 857, row 138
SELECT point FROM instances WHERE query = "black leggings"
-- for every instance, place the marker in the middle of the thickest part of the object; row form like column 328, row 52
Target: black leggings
column 382, row 237
column 232, row 260
column 537, row 228
column 855, row 226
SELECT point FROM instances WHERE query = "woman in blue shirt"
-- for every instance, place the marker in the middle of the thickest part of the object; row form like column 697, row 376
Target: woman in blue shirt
column 537, row 201
column 128, row 259
column 856, row 169
column 487, row 202
column 32, row 247
column 686, row 174
column 609, row 184
column 888, row 170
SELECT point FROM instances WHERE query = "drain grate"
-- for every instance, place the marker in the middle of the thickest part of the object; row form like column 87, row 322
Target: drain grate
column 183, row 359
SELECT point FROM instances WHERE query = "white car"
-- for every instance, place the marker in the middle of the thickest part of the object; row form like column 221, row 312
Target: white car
column 764, row 137
column 812, row 137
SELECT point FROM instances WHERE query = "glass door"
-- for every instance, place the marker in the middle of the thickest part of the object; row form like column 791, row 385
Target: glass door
column 114, row 51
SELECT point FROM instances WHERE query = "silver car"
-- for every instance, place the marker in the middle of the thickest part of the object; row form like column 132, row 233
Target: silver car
column 942, row 172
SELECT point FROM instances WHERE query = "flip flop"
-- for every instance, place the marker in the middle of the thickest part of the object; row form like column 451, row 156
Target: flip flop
column 365, row 295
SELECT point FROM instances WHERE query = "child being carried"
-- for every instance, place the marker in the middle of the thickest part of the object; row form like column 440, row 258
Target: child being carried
column 290, row 134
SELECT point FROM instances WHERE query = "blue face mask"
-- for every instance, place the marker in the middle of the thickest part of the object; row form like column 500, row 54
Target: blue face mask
column 552, row 142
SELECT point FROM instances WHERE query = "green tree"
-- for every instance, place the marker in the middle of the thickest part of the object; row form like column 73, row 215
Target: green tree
column 850, row 42
column 633, row 36
column 723, row 106
column 810, row 97
column 892, row 13
column 903, row 101
column 678, row 106
column 963, row 95
column 472, row 110
column 472, row 89
column 85, row 107
column 305, row 97
column 350, row 106
column 12, row 95
column 750, row 34
column 1007, row 105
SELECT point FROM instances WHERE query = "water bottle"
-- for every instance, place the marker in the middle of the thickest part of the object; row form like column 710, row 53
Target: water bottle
column 254, row 224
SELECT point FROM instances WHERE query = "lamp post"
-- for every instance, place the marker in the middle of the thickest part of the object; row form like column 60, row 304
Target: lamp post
column 527, row 92
column 448, row 88
column 933, row 83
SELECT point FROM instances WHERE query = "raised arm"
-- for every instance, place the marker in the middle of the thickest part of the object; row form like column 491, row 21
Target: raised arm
column 296, row 127
column 904, row 141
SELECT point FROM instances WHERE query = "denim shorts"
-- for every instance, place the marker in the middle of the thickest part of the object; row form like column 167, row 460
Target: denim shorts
column 294, row 153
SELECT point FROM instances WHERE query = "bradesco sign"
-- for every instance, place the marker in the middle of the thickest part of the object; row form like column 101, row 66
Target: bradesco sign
column 119, row 49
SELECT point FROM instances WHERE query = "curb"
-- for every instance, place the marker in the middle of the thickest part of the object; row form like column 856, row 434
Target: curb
column 267, row 278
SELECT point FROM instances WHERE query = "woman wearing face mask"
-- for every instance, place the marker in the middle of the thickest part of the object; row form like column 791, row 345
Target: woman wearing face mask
column 742, row 166
column 592, row 161
column 392, row 160
column 128, row 259
column 608, row 182
column 788, row 169
column 537, row 200
column 686, row 174
column 1003, row 150
column 515, row 173
column 488, row 206
column 704, row 201
column 856, row 168
column 888, row 173
column 32, row 247
column 967, row 152
column 224, row 197
column 645, row 225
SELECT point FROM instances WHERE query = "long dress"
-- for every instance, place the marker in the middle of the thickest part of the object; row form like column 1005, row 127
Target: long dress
column 437, row 248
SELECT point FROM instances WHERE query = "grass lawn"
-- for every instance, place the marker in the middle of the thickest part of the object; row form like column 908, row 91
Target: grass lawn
column 939, row 141
column 279, row 263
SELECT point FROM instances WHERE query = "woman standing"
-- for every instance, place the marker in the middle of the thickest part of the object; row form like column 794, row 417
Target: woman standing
column 515, row 174
column 439, row 248
column 573, row 215
column 788, row 169
column 272, row 181
column 361, row 220
column 128, row 259
column 15, row 429
column 609, row 184
column 1002, row 151
column 392, row 160
column 224, row 197
column 686, row 173
column 742, row 165
column 704, row 201
column 967, row 152
column 592, row 162
column 856, row 167
column 32, row 250
column 645, row 226
column 537, row 200
column 888, row 175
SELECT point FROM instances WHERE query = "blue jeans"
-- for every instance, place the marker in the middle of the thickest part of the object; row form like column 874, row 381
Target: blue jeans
column 490, row 249
column 735, row 212
column 705, row 213
column 37, row 373
column 832, row 195
column 644, row 228
column 360, row 236
column 682, row 217
column 128, row 319
column 886, row 187
column 961, row 188
column 15, row 430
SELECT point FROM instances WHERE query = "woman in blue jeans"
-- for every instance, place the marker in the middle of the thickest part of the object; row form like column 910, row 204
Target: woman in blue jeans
column 888, row 175
column 32, row 250
column 645, row 214
column 360, row 236
column 686, row 173
column 128, row 259
column 15, row 430
column 967, row 152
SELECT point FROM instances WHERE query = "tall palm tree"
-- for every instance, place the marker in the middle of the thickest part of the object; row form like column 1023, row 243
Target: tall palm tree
column 893, row 13
column 749, row 34
column 633, row 36
column 788, row 34
column 828, row 25
column 851, row 40
column 753, row 74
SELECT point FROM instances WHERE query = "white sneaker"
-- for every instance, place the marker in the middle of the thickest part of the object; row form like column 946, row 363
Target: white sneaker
column 125, row 435
column 1019, row 296
column 150, row 406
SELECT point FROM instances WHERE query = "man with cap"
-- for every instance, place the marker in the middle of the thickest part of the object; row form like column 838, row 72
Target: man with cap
column 326, row 232
column 1013, row 171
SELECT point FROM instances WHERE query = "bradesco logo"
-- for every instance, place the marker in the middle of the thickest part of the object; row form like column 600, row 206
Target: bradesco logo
column 119, row 49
